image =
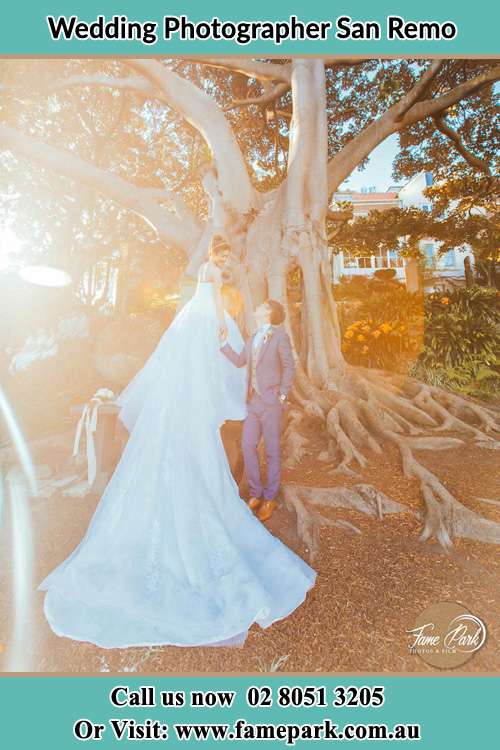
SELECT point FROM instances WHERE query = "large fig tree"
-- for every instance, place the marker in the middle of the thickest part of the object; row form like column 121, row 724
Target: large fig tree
column 273, row 140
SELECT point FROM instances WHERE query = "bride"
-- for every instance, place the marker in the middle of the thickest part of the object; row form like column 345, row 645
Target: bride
column 173, row 555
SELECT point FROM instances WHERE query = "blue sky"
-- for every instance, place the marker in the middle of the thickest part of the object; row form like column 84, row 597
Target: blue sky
column 379, row 169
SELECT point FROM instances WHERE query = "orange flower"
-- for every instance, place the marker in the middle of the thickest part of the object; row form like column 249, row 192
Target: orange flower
column 364, row 349
column 376, row 334
column 445, row 300
column 366, row 329
column 360, row 337
column 349, row 334
column 385, row 328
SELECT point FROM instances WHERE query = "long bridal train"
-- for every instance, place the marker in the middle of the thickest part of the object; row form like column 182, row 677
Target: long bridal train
column 172, row 554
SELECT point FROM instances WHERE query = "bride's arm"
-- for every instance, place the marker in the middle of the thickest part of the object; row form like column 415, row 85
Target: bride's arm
column 216, row 277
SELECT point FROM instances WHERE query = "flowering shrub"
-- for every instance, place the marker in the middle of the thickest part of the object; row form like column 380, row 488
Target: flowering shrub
column 383, row 328
column 377, row 344
column 452, row 340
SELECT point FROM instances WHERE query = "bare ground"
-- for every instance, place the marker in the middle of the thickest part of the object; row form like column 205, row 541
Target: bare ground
column 370, row 588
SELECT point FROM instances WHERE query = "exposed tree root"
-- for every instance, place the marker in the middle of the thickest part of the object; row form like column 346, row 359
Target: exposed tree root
column 495, row 503
column 307, row 502
column 296, row 443
column 371, row 407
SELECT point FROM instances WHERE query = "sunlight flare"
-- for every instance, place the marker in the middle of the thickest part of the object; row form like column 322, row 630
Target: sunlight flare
column 45, row 276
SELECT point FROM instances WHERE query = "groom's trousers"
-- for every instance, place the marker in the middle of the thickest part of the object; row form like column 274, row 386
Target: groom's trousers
column 263, row 420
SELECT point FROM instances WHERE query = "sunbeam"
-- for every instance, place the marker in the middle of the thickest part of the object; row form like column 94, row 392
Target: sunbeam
column 21, row 483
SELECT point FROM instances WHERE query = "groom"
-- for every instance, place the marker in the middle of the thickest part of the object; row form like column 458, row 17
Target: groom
column 270, row 364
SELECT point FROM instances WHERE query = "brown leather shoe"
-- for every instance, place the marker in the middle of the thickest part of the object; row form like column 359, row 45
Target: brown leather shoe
column 266, row 510
column 254, row 503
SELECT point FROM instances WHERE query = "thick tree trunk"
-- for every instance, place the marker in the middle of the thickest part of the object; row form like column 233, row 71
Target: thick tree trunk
column 361, row 409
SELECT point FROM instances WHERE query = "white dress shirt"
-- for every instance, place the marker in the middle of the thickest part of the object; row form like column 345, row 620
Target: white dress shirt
column 259, row 336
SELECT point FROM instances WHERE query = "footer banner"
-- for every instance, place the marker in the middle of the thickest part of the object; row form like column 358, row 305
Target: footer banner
column 279, row 710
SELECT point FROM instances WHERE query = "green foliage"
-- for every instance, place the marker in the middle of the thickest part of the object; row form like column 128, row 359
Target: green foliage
column 399, row 229
column 473, row 378
column 451, row 340
column 385, row 274
column 379, row 299
column 462, row 343
column 475, row 120
column 460, row 327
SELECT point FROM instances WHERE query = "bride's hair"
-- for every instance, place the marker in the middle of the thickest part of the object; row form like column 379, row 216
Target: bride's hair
column 218, row 246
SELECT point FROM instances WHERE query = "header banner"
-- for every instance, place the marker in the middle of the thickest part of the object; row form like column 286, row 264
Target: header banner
column 93, row 28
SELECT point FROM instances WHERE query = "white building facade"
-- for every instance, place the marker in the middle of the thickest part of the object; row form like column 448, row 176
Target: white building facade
column 448, row 269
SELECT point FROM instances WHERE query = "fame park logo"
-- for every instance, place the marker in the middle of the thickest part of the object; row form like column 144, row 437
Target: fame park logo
column 446, row 635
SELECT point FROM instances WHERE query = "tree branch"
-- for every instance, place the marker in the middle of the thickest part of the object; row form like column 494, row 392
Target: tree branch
column 166, row 197
column 134, row 85
column 271, row 94
column 207, row 117
column 158, row 82
column 338, row 62
column 418, row 90
column 181, row 233
column 339, row 216
column 361, row 146
column 251, row 68
column 430, row 107
column 469, row 157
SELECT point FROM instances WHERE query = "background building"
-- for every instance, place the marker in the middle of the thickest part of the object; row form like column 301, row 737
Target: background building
column 448, row 269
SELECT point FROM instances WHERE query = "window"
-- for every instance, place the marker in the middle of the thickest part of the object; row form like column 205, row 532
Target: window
column 365, row 262
column 350, row 261
column 395, row 261
column 389, row 259
column 428, row 250
column 448, row 259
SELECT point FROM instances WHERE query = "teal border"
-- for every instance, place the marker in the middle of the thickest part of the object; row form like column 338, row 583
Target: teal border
column 455, row 713
column 24, row 31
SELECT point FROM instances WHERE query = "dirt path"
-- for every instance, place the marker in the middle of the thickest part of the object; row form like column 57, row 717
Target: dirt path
column 370, row 587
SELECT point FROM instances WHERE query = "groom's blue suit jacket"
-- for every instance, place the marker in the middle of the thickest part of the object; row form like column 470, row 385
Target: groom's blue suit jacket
column 275, row 365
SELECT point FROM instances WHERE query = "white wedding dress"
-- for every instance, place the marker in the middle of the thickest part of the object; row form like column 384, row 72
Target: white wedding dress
column 172, row 554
